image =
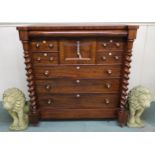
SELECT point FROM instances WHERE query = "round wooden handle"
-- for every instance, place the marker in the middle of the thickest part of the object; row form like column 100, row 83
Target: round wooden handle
column 77, row 95
column 109, row 71
column 38, row 59
column 107, row 101
column 37, row 45
column 104, row 44
column 50, row 45
column 48, row 87
column 51, row 58
column 116, row 57
column 103, row 58
column 45, row 54
column 46, row 73
column 77, row 81
column 108, row 85
column 78, row 67
column 117, row 44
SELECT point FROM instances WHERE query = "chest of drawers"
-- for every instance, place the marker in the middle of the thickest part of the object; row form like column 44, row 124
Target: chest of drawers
column 77, row 71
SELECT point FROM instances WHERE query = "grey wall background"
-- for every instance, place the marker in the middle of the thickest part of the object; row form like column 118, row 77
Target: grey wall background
column 12, row 68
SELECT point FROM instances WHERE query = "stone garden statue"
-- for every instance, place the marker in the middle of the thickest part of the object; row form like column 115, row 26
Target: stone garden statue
column 139, row 98
column 14, row 102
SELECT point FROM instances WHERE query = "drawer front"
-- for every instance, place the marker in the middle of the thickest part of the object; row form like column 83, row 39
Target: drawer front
column 44, row 45
column 76, row 101
column 44, row 58
column 77, row 51
column 113, row 57
column 77, row 86
column 92, row 72
column 110, row 44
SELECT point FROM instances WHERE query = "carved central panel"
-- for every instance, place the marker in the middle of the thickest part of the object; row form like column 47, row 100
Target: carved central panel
column 78, row 51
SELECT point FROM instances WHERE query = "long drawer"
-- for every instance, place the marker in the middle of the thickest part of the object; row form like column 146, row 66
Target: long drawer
column 77, row 86
column 77, row 71
column 79, row 100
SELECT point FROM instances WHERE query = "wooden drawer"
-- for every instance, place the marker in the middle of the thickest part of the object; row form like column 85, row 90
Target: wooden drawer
column 89, row 71
column 44, row 58
column 113, row 57
column 44, row 45
column 110, row 44
column 77, row 86
column 84, row 101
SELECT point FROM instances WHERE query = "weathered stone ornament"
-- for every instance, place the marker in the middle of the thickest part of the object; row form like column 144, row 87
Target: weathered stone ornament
column 14, row 102
column 139, row 98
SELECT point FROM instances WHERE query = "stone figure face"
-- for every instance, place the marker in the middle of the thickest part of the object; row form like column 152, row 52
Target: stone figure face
column 8, row 102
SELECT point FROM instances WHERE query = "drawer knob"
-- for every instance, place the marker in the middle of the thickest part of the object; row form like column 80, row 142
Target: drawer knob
column 110, row 53
column 49, row 102
column 108, row 85
column 38, row 59
column 107, row 101
column 78, row 67
column 77, row 95
column 51, row 58
column 109, row 71
column 44, row 41
column 45, row 54
column 50, row 45
column 37, row 45
column 104, row 44
column 77, row 81
column 117, row 44
column 48, row 87
column 46, row 73
column 116, row 57
column 104, row 58
column 111, row 41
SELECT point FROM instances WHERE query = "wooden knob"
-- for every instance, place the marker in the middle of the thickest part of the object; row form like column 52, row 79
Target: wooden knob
column 50, row 45
column 49, row 102
column 116, row 57
column 107, row 101
column 111, row 41
column 48, row 87
column 103, row 58
column 78, row 67
column 37, row 45
column 46, row 73
column 38, row 59
column 109, row 71
column 104, row 44
column 117, row 44
column 51, row 58
column 110, row 53
column 44, row 41
column 77, row 95
column 108, row 85
column 45, row 54
column 77, row 81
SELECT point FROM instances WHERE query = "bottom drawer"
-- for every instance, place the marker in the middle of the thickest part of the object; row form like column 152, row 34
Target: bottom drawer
column 79, row 100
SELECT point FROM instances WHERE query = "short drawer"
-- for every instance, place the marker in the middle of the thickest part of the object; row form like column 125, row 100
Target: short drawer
column 113, row 57
column 79, row 100
column 92, row 72
column 110, row 44
column 44, row 45
column 44, row 58
column 77, row 86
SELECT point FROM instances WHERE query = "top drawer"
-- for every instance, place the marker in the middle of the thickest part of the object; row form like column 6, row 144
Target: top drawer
column 44, row 45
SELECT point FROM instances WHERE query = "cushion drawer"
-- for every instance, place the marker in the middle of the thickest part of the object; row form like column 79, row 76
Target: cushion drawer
column 113, row 57
column 44, row 45
column 84, row 101
column 43, row 58
column 110, row 44
column 77, row 86
column 93, row 71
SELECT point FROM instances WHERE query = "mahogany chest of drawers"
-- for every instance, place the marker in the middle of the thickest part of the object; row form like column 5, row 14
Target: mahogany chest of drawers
column 77, row 71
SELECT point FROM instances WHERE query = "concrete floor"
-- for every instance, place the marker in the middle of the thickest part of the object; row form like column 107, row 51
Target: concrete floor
column 84, row 125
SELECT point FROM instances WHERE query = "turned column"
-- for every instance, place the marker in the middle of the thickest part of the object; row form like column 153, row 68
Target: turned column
column 123, row 112
column 33, row 114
